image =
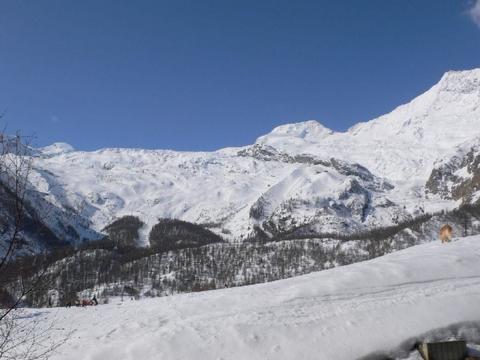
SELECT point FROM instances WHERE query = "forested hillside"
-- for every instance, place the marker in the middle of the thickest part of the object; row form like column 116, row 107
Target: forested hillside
column 105, row 269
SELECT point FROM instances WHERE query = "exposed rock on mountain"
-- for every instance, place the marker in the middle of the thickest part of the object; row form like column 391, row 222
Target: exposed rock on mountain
column 458, row 177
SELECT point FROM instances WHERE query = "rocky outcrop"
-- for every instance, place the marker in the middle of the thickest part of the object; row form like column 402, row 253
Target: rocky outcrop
column 458, row 177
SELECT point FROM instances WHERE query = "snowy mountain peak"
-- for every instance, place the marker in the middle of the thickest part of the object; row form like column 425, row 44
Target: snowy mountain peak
column 310, row 130
column 57, row 149
column 465, row 81
column 403, row 143
column 297, row 134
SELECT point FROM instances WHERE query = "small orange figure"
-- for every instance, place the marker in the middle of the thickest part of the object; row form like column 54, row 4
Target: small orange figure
column 446, row 233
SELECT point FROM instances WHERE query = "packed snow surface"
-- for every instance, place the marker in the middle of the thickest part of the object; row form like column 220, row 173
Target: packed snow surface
column 379, row 306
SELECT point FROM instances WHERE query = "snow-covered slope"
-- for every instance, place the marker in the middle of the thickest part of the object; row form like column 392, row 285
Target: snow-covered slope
column 298, row 174
column 221, row 189
column 403, row 143
column 378, row 307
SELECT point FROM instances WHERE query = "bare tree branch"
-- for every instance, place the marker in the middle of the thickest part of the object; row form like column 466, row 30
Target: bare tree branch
column 21, row 336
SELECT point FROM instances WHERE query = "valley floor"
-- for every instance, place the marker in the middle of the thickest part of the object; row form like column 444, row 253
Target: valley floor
column 375, row 308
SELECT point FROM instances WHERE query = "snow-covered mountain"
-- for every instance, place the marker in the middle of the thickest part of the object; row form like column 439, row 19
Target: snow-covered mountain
column 403, row 143
column 375, row 174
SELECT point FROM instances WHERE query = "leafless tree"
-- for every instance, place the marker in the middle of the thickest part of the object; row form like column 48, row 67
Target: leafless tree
column 15, row 168
column 21, row 335
column 28, row 336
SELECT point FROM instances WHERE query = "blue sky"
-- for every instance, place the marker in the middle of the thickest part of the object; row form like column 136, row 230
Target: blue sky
column 201, row 75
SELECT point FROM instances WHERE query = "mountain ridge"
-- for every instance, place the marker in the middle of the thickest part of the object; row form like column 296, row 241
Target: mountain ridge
column 298, row 174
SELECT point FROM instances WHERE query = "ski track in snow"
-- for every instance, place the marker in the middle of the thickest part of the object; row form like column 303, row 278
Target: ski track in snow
column 342, row 313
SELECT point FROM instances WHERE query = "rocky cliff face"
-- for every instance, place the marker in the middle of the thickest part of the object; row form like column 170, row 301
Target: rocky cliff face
column 458, row 177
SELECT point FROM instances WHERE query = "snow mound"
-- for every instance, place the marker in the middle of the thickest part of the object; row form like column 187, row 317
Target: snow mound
column 381, row 306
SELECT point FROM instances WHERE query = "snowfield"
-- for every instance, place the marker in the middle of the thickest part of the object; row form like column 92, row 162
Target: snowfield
column 372, row 309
